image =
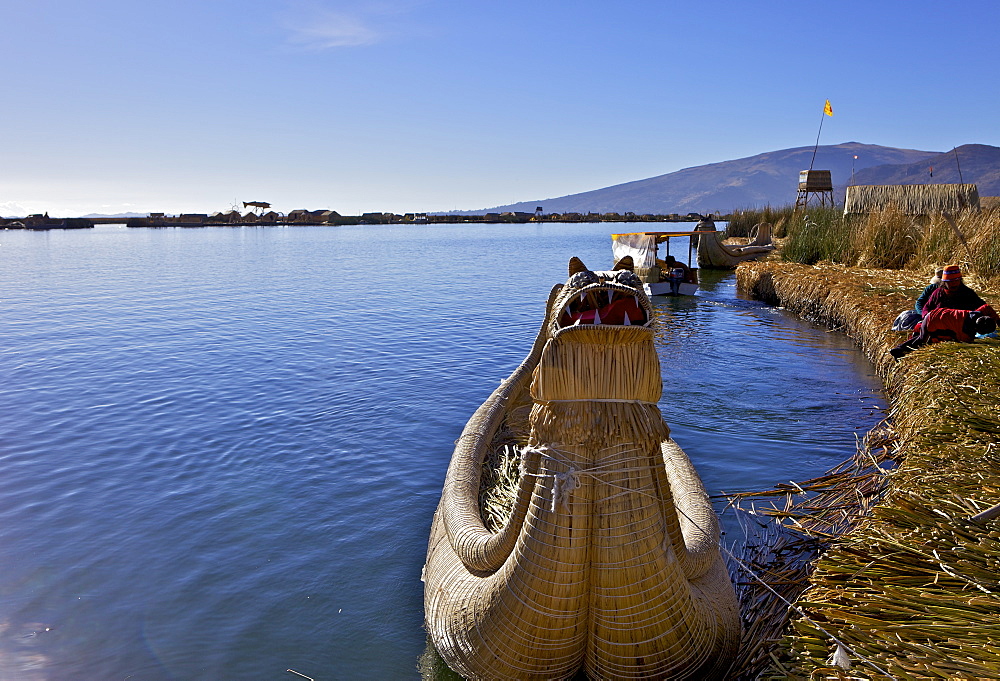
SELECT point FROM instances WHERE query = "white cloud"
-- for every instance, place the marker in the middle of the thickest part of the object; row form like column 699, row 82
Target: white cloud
column 317, row 27
column 333, row 30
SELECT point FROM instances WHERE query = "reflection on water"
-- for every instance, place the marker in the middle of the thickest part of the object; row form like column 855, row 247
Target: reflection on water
column 764, row 395
column 221, row 448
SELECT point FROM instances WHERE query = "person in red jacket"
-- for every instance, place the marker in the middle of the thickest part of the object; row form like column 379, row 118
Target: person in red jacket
column 953, row 294
column 943, row 324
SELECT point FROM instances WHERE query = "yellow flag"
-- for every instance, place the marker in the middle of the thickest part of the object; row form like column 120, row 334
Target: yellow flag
column 827, row 109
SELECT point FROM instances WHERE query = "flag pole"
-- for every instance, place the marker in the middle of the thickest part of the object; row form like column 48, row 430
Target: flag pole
column 811, row 161
column 827, row 111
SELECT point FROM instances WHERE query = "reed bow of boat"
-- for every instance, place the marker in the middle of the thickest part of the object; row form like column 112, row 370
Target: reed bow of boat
column 607, row 559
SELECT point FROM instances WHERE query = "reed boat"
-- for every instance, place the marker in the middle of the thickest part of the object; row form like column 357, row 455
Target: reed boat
column 714, row 254
column 573, row 534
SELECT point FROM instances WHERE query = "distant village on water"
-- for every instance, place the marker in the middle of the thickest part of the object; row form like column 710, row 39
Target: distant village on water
column 303, row 217
column 954, row 179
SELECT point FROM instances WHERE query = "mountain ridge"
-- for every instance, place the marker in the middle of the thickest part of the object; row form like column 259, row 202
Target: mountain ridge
column 771, row 178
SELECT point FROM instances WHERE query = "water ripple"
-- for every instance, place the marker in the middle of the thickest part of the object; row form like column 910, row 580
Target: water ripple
column 213, row 438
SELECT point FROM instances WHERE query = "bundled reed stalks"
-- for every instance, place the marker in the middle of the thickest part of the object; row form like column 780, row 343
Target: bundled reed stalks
column 608, row 559
column 913, row 590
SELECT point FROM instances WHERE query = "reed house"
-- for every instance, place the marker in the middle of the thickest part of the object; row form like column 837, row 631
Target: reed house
column 912, row 199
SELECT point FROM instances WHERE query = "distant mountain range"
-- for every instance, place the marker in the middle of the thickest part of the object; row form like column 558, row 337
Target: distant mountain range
column 772, row 179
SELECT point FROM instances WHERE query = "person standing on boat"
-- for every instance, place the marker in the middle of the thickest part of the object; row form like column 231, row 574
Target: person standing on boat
column 953, row 294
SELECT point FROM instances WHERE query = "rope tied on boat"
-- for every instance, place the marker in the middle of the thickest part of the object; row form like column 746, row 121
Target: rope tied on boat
column 598, row 399
column 563, row 486
column 566, row 482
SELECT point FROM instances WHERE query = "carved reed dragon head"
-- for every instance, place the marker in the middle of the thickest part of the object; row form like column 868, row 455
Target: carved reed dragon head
column 589, row 298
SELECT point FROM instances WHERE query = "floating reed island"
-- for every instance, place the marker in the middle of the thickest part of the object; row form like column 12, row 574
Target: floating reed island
column 911, row 589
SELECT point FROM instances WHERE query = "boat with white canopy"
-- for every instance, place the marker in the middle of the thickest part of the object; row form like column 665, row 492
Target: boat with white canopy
column 662, row 273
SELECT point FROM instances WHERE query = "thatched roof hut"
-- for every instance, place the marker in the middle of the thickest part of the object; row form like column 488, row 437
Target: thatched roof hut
column 912, row 199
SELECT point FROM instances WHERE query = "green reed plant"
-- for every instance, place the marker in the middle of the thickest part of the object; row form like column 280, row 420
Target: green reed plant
column 742, row 222
column 821, row 233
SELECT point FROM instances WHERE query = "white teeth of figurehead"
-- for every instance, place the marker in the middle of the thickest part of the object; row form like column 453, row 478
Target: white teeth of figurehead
column 577, row 322
column 583, row 297
column 610, row 295
column 627, row 321
column 597, row 317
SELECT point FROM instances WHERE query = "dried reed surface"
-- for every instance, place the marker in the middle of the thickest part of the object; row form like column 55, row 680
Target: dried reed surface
column 914, row 588
column 786, row 529
column 500, row 478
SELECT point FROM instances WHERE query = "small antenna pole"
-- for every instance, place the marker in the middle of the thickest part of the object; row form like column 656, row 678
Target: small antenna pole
column 960, row 180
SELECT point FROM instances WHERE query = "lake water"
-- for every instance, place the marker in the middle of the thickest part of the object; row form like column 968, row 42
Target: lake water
column 220, row 449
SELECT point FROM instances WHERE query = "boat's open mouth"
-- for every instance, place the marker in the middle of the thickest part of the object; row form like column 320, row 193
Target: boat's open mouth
column 606, row 305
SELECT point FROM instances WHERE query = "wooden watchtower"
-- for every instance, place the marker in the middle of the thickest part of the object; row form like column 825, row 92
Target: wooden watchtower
column 816, row 183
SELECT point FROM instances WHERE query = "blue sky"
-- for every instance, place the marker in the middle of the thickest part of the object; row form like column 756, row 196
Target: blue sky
column 426, row 105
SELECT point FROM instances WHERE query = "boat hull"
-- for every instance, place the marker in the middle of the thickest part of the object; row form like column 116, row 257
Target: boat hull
column 662, row 288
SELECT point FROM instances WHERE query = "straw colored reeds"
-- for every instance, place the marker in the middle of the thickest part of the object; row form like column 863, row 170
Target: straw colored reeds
column 785, row 529
column 891, row 238
column 913, row 590
column 742, row 223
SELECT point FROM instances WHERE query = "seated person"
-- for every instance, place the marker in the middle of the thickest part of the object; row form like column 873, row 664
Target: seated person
column 943, row 324
column 673, row 271
column 931, row 288
column 953, row 294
